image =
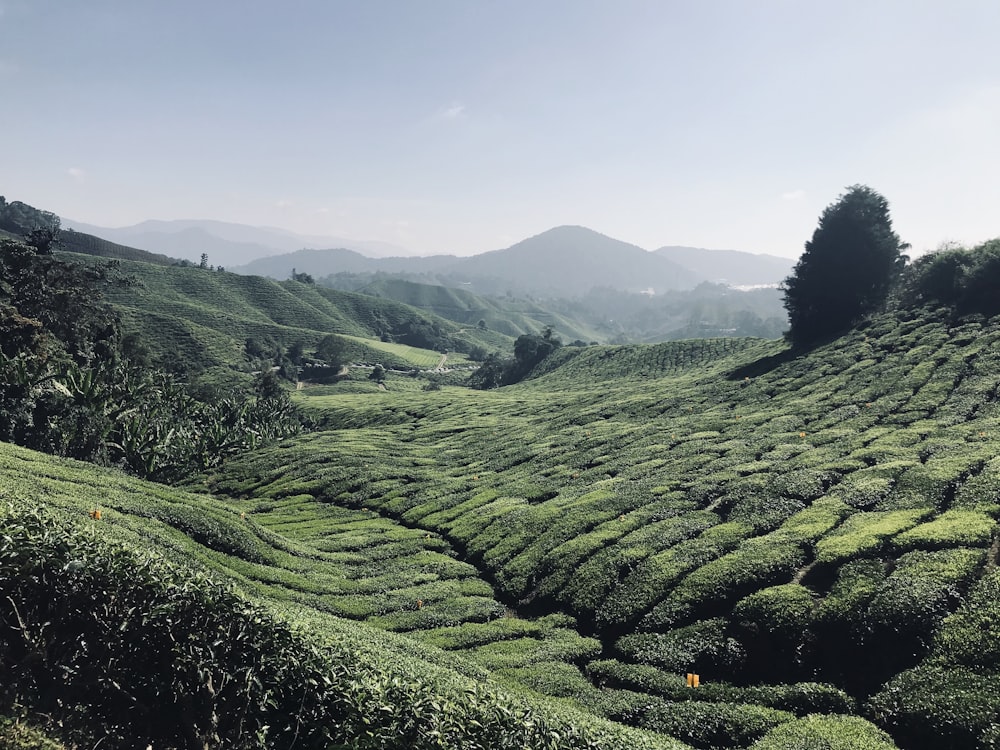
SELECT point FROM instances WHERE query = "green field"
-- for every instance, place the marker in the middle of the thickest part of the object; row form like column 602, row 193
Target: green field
column 201, row 319
column 708, row 506
column 813, row 533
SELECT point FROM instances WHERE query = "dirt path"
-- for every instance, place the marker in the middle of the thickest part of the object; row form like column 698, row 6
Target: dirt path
column 440, row 364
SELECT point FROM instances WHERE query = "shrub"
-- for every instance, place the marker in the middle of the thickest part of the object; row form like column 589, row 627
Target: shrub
column 700, row 647
column 712, row 725
column 15, row 735
column 971, row 636
column 127, row 650
column 825, row 733
column 937, row 708
column 773, row 625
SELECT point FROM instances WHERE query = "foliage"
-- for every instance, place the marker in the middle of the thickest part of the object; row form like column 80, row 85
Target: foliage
column 847, row 268
column 967, row 281
column 123, row 648
column 940, row 708
column 69, row 386
column 767, row 516
column 21, row 219
column 530, row 350
column 17, row 735
column 825, row 733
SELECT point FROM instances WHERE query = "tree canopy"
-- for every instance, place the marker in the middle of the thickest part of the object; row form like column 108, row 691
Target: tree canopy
column 847, row 268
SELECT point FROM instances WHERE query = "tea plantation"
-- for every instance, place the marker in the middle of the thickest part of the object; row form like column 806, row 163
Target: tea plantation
column 813, row 534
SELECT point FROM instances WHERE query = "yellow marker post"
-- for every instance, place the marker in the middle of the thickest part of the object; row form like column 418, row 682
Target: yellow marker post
column 693, row 680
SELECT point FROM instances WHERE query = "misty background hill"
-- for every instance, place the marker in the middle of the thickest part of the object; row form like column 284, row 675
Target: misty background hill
column 733, row 267
column 227, row 244
column 562, row 262
column 590, row 286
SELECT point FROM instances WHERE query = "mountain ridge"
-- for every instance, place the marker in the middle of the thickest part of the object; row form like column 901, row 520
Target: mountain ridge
column 226, row 243
column 564, row 261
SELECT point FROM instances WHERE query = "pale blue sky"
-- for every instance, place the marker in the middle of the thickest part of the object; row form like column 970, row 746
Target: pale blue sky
column 466, row 125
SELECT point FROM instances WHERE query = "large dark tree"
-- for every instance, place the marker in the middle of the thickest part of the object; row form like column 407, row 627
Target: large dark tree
column 847, row 268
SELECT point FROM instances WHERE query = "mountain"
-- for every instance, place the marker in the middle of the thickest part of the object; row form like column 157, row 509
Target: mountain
column 571, row 260
column 226, row 244
column 509, row 317
column 732, row 267
column 563, row 262
column 321, row 263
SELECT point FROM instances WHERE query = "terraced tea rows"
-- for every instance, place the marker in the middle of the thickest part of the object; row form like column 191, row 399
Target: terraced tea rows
column 759, row 518
column 378, row 687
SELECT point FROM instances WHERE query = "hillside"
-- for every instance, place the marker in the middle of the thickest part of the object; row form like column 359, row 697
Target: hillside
column 198, row 625
column 325, row 262
column 87, row 244
column 590, row 287
column 562, row 262
column 568, row 261
column 202, row 318
column 814, row 535
column 226, row 243
column 771, row 523
column 813, row 532
column 510, row 317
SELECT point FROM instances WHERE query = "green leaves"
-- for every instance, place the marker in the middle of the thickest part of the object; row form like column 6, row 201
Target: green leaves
column 846, row 269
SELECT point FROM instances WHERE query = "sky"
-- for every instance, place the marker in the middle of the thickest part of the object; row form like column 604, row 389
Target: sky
column 461, row 126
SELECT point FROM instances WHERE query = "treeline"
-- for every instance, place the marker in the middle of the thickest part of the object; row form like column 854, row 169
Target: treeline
column 529, row 351
column 74, row 383
column 21, row 219
column 966, row 281
column 854, row 267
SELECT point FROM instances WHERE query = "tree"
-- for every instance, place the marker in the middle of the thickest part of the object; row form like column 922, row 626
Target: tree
column 333, row 351
column 847, row 268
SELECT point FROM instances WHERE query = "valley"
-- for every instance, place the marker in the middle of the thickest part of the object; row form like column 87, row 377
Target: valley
column 811, row 530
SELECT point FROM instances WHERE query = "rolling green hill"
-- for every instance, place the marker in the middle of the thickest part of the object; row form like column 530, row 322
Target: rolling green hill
column 813, row 533
column 203, row 318
column 88, row 244
column 509, row 317
column 176, row 619
column 810, row 534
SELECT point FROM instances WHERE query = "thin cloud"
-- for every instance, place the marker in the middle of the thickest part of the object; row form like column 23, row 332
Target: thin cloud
column 454, row 111
column 284, row 203
column 77, row 174
column 793, row 195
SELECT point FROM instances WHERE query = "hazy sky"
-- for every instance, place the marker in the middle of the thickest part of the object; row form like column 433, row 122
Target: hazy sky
column 466, row 125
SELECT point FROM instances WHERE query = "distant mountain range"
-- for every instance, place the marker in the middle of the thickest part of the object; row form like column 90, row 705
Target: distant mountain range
column 562, row 262
column 732, row 267
column 225, row 243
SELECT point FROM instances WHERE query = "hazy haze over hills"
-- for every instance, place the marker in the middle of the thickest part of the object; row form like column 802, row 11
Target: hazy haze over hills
column 564, row 261
column 730, row 266
column 226, row 243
